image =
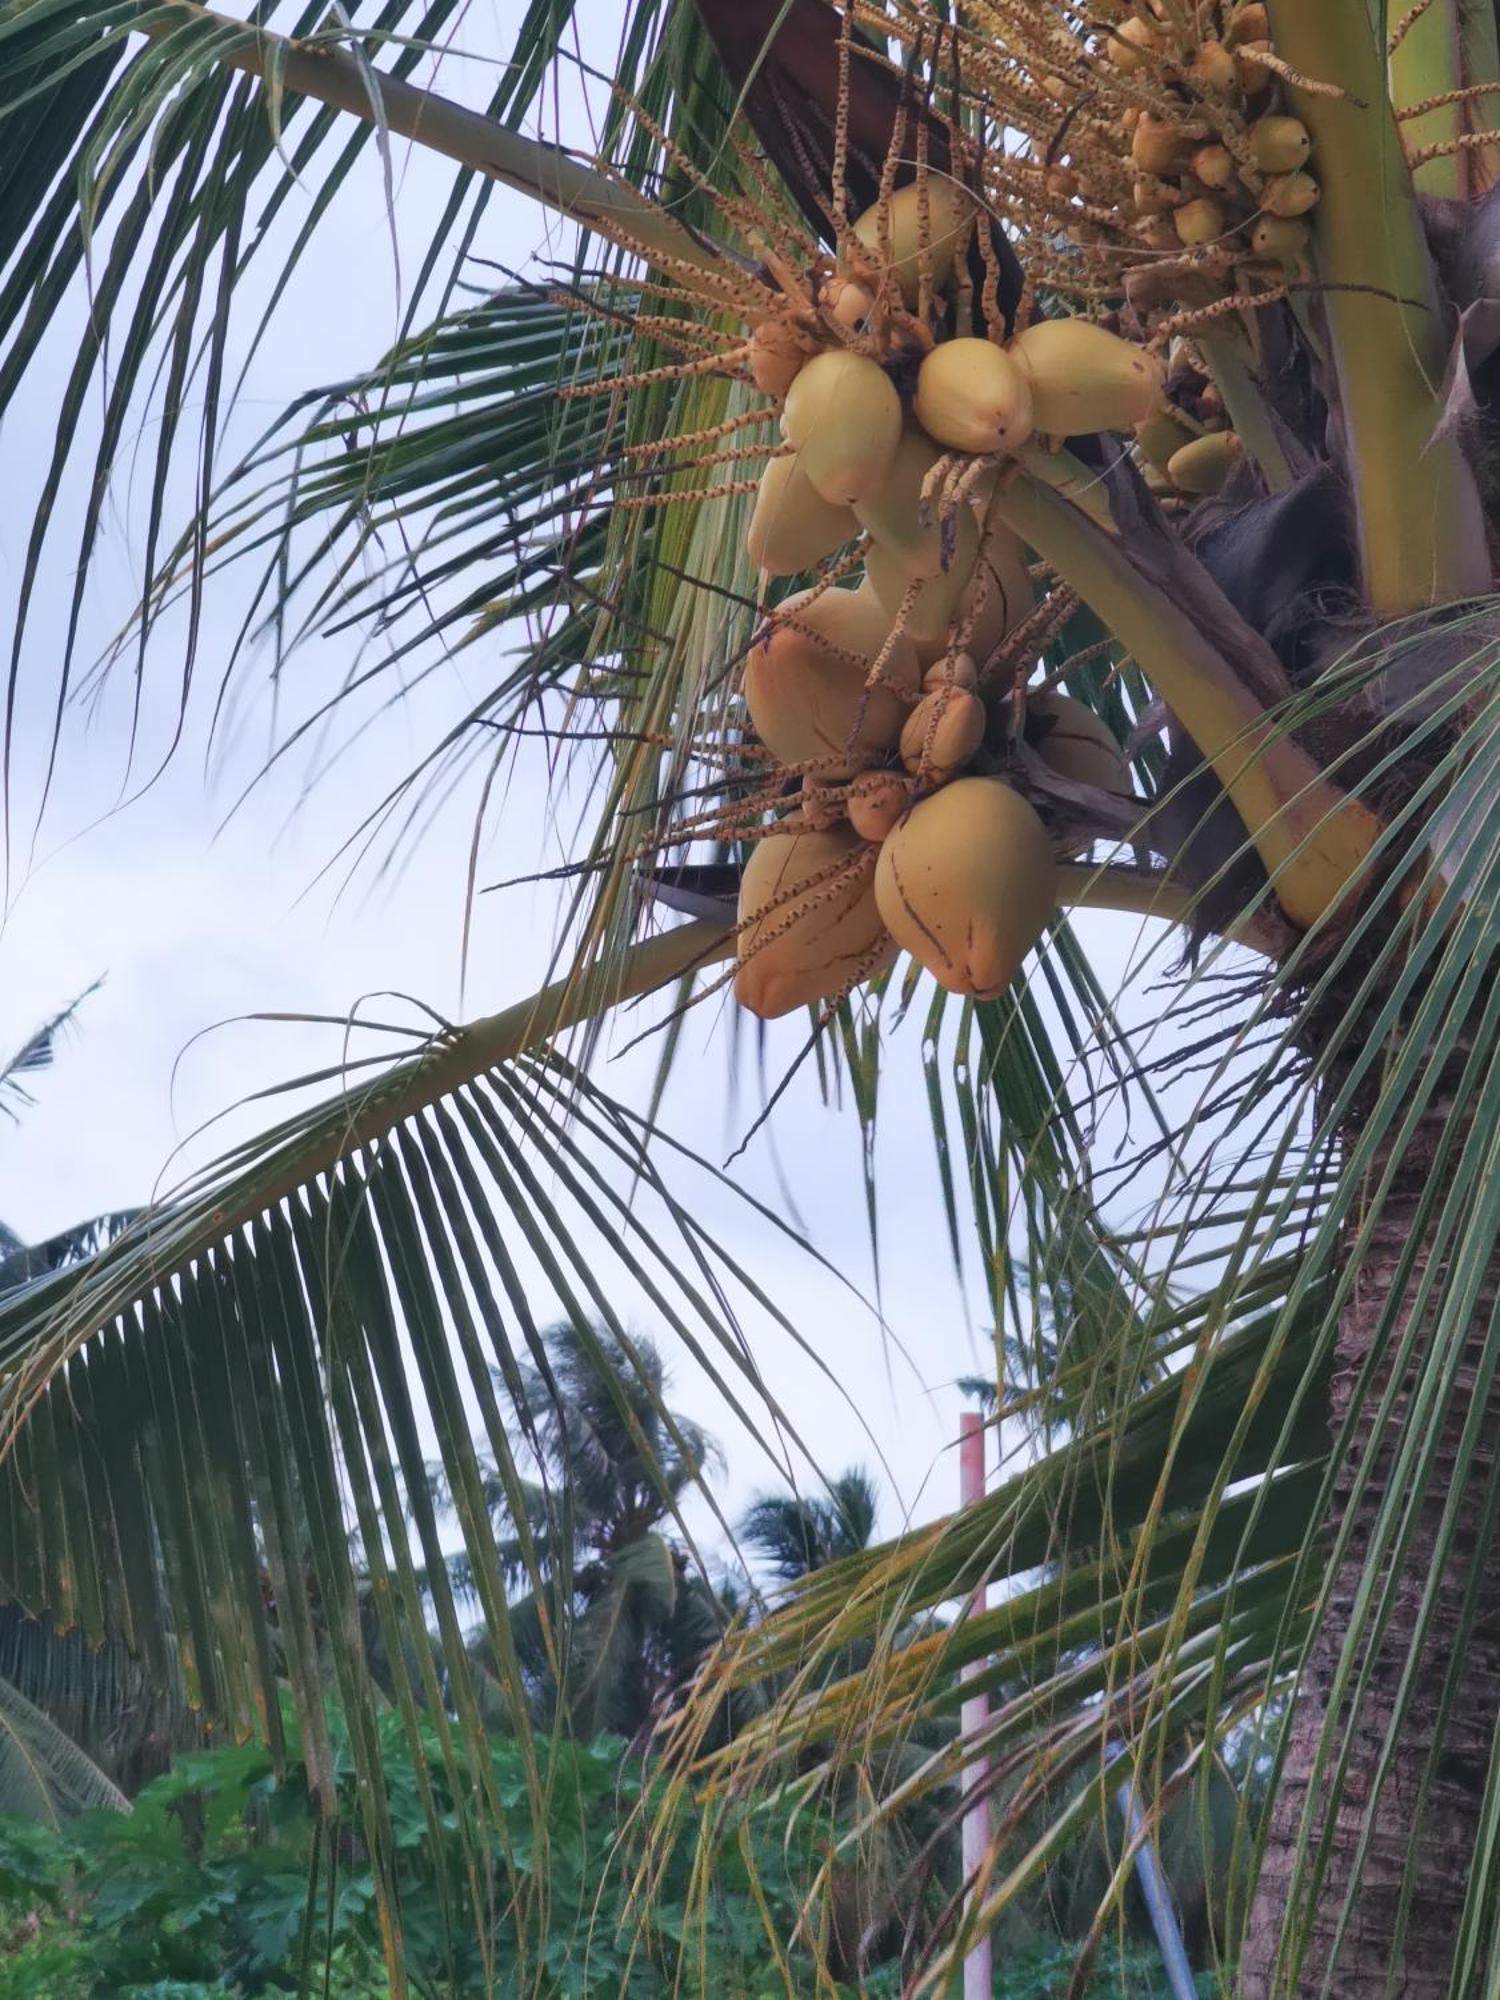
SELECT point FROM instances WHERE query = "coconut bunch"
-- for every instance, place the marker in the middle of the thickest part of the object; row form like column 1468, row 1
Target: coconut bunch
column 888, row 719
column 907, row 788
column 1160, row 158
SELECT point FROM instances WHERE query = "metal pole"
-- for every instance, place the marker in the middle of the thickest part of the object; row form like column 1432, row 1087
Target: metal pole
column 1163, row 1918
column 978, row 1972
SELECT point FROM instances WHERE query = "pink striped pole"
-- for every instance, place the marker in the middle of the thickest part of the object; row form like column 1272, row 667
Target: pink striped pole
column 978, row 1970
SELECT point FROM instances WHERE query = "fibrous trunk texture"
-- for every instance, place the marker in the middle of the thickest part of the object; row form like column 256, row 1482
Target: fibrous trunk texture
column 1428, row 1805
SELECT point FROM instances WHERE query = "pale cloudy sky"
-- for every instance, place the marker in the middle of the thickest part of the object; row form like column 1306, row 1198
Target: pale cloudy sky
column 194, row 921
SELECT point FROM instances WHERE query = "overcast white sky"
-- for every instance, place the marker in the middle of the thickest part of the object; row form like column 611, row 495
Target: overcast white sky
column 193, row 922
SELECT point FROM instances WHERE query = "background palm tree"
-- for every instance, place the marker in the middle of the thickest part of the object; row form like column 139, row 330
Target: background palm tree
column 1277, row 1476
column 616, row 1618
column 792, row 1535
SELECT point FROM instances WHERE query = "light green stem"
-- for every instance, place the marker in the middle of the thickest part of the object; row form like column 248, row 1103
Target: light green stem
column 1080, row 887
column 1427, row 62
column 1312, row 838
column 1419, row 520
column 321, row 70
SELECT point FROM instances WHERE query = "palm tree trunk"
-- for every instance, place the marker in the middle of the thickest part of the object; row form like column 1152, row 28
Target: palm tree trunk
column 1427, row 1812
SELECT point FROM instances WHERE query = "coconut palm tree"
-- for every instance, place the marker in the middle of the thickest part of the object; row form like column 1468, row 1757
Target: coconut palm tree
column 614, row 1619
column 793, row 1534
column 1176, row 601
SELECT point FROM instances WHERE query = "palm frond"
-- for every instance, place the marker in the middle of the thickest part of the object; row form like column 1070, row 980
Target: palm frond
column 37, row 1052
column 44, row 1775
column 200, row 1414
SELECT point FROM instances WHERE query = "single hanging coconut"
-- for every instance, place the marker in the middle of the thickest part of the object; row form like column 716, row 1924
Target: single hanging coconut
column 1200, row 221
column 776, row 357
column 1128, row 45
column 1213, row 165
column 793, row 526
column 846, row 303
column 1160, row 434
column 803, row 932
column 1205, row 464
column 966, row 883
column 807, row 696
column 844, row 416
column 1278, row 145
column 972, row 396
column 876, row 801
column 1250, row 23
column 1289, row 195
column 942, row 733
column 1156, row 144
column 999, row 593
column 1211, row 67
column 1075, row 742
column 1084, row 378
column 1278, row 239
column 950, row 212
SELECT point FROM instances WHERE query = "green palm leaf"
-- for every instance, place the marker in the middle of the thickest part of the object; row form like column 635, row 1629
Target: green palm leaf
column 200, row 1414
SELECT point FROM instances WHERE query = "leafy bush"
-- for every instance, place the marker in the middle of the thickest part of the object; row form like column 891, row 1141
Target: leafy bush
column 221, row 1881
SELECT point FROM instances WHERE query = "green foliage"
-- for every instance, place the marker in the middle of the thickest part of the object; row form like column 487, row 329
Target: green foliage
column 220, row 1882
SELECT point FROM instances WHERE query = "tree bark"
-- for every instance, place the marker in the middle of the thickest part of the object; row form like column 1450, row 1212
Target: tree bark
column 1435, row 1836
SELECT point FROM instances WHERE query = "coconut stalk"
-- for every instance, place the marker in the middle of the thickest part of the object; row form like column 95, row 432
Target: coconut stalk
column 1312, row 838
column 1419, row 521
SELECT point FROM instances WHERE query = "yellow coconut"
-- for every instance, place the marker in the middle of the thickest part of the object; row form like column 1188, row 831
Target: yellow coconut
column 846, row 303
column 1200, row 221
column 1278, row 145
column 1277, row 238
column 805, row 681
column 1253, row 75
column 876, row 800
column 1160, row 434
column 1127, row 46
column 844, row 416
column 893, row 512
column 1205, row 464
column 776, row 356
column 1075, row 742
column 1213, row 165
column 1212, row 67
column 1084, row 378
column 999, row 595
column 804, row 932
column 942, row 733
column 950, row 211
column 966, row 883
column 952, row 670
column 1289, row 195
column 972, row 396
column 1155, row 144
column 935, row 599
column 793, row 526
